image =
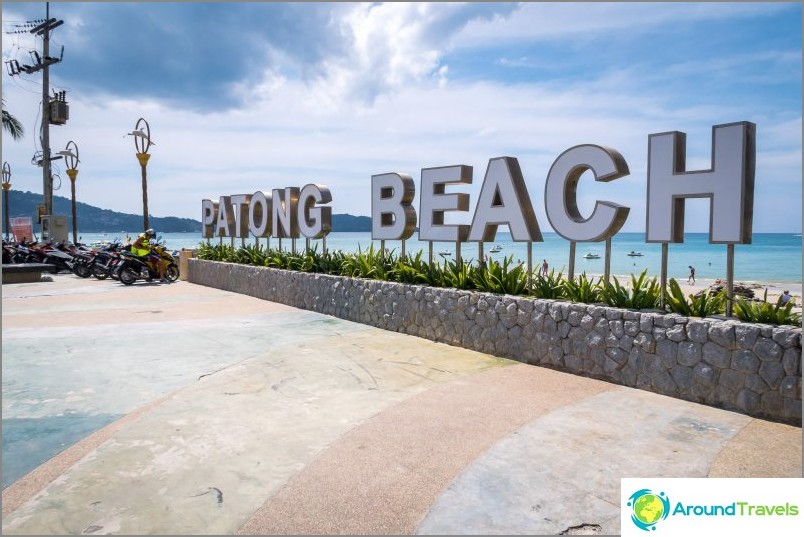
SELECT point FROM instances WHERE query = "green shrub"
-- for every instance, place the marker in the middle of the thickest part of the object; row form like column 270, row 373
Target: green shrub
column 372, row 264
column 583, row 290
column 766, row 312
column 409, row 269
column 641, row 294
column 550, row 286
column 496, row 277
column 459, row 274
column 218, row 252
column 703, row 305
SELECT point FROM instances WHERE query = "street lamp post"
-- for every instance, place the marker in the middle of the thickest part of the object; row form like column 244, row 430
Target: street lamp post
column 6, row 188
column 142, row 142
column 71, row 159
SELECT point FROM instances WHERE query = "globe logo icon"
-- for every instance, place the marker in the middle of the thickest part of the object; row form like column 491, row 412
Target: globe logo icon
column 648, row 508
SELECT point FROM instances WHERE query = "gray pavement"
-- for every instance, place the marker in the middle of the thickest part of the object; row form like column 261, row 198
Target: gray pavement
column 180, row 409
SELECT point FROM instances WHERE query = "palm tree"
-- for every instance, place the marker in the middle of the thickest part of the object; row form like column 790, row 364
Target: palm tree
column 12, row 124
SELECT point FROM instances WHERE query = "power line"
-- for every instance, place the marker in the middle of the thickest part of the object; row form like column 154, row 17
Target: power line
column 54, row 109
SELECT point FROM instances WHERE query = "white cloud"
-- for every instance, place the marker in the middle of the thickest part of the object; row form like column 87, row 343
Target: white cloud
column 536, row 21
column 385, row 103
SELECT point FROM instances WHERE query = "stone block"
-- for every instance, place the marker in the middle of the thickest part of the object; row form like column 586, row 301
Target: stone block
column 689, row 353
column 744, row 361
column 723, row 335
column 631, row 328
column 704, row 374
column 768, row 350
column 683, row 377
column 732, row 380
column 772, row 372
column 573, row 363
column 787, row 337
column 616, row 328
column 746, row 335
column 791, row 360
column 755, row 382
column 791, row 388
column 698, row 331
column 574, row 317
column 748, row 400
column 677, row 333
column 771, row 403
column 618, row 355
column 716, row 355
column 667, row 350
column 645, row 342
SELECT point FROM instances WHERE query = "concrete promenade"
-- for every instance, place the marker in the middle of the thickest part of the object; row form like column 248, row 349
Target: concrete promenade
column 180, row 409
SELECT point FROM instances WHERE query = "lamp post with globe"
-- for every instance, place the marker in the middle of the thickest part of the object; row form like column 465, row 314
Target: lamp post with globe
column 71, row 158
column 142, row 142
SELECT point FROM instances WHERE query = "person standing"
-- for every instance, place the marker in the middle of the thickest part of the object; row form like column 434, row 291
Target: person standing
column 691, row 278
column 544, row 268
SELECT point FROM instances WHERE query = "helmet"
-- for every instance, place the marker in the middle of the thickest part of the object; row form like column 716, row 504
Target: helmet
column 150, row 232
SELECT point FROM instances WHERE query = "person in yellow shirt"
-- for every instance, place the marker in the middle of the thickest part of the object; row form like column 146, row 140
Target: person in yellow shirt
column 142, row 248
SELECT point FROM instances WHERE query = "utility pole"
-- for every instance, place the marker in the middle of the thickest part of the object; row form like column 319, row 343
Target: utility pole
column 43, row 63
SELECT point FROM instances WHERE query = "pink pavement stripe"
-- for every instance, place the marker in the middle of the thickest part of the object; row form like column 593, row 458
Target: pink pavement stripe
column 383, row 476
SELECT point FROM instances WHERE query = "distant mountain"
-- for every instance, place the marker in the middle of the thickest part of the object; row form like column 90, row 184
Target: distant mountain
column 96, row 220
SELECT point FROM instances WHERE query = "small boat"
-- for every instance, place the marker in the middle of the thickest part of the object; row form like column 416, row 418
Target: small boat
column 590, row 255
column 496, row 248
column 635, row 254
column 444, row 252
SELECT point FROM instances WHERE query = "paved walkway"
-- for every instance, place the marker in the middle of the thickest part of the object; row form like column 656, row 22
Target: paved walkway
column 180, row 409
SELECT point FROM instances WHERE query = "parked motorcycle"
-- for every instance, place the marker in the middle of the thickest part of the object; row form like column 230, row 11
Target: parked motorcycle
column 133, row 268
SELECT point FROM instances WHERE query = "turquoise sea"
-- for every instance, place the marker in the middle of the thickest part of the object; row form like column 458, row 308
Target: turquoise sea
column 771, row 258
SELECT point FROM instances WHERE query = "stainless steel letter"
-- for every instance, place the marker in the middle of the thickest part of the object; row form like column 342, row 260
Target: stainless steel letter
column 729, row 185
column 209, row 213
column 240, row 203
column 392, row 215
column 560, row 194
column 435, row 202
column 314, row 221
column 225, row 225
column 259, row 214
column 504, row 200
column 284, row 211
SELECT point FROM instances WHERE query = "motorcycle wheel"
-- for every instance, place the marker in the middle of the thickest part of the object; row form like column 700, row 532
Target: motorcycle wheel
column 82, row 271
column 99, row 272
column 128, row 276
column 172, row 272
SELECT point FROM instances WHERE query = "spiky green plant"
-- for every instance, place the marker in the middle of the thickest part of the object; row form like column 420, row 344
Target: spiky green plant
column 766, row 312
column 703, row 305
column 459, row 274
column 582, row 289
column 410, row 269
column 372, row 264
column 640, row 294
column 550, row 286
column 496, row 277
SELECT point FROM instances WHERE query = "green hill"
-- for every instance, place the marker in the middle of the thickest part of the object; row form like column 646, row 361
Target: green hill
column 96, row 220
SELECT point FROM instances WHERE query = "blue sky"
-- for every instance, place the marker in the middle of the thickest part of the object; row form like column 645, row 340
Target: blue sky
column 253, row 96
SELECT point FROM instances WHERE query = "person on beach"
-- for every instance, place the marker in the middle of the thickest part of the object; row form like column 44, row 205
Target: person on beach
column 543, row 270
column 691, row 278
column 785, row 298
column 142, row 248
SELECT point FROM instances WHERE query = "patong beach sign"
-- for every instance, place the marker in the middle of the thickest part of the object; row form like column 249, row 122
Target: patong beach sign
column 504, row 200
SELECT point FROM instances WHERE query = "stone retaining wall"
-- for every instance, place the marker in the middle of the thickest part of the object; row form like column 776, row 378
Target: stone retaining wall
column 750, row 368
